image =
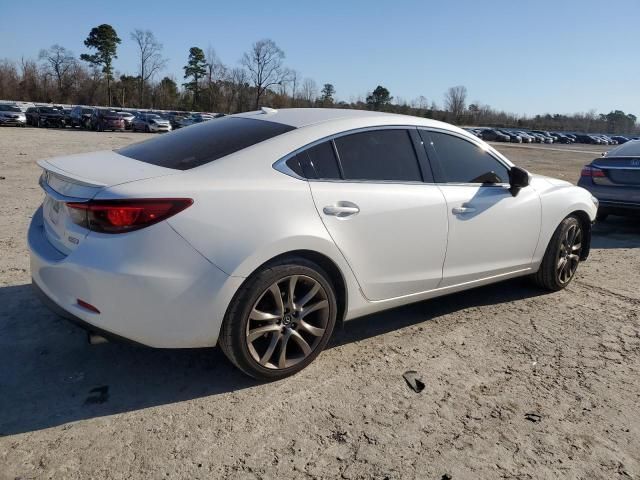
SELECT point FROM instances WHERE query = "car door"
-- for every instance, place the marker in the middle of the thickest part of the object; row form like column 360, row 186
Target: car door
column 390, row 225
column 491, row 231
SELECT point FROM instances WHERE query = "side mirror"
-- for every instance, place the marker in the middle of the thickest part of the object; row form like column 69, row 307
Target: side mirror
column 518, row 178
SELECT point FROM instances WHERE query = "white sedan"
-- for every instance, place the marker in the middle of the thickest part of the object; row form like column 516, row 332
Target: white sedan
column 261, row 231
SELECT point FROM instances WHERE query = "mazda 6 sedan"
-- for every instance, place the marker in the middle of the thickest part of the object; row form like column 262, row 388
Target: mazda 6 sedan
column 261, row 232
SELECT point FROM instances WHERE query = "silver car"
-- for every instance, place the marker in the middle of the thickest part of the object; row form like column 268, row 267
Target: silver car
column 12, row 115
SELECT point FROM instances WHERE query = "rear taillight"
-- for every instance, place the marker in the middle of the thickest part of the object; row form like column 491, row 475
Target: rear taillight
column 589, row 171
column 120, row 216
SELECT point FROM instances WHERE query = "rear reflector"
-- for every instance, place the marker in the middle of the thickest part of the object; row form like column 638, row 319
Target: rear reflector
column 589, row 171
column 119, row 216
column 87, row 306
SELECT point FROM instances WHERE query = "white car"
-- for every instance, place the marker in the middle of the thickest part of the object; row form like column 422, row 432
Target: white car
column 150, row 123
column 261, row 231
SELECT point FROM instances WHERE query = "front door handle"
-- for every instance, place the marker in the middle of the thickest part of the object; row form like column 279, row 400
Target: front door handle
column 462, row 210
column 341, row 209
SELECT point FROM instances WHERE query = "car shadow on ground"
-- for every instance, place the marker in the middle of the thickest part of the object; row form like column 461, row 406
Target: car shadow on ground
column 617, row 232
column 50, row 375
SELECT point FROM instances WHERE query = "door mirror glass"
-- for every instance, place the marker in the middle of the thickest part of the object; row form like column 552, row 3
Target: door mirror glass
column 518, row 178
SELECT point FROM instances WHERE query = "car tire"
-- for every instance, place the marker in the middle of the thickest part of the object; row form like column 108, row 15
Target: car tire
column 147, row 129
column 561, row 259
column 270, row 334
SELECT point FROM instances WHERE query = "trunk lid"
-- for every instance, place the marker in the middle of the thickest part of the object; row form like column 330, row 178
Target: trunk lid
column 621, row 171
column 79, row 178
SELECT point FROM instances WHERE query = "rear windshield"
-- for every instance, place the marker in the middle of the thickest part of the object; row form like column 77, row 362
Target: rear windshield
column 205, row 142
column 627, row 149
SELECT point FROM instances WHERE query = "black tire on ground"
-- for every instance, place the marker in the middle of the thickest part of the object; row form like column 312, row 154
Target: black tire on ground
column 234, row 333
column 147, row 129
column 561, row 259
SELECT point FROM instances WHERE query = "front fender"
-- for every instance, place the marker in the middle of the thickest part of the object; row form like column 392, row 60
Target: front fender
column 559, row 200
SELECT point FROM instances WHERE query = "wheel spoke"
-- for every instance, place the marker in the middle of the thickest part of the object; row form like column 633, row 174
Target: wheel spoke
column 277, row 296
column 313, row 308
column 282, row 360
column 275, row 338
column 263, row 316
column 561, row 263
column 318, row 332
column 576, row 247
column 306, row 348
column 312, row 293
column 258, row 332
column 292, row 288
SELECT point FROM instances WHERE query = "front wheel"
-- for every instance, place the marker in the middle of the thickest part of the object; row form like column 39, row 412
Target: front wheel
column 280, row 320
column 560, row 261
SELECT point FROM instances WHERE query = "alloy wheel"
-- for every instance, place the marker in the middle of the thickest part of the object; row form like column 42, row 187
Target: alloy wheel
column 569, row 253
column 287, row 322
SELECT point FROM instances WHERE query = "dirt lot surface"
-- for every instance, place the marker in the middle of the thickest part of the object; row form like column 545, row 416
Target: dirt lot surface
column 519, row 383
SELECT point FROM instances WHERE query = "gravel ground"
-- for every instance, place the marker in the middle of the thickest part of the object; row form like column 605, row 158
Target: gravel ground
column 519, row 383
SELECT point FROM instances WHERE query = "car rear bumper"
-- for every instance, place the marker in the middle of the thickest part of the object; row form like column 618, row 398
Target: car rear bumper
column 150, row 286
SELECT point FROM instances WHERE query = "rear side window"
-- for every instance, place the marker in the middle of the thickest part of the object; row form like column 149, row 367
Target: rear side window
column 378, row 155
column 204, row 143
column 317, row 162
column 461, row 161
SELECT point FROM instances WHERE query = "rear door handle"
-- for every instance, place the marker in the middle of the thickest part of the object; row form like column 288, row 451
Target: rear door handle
column 462, row 210
column 341, row 209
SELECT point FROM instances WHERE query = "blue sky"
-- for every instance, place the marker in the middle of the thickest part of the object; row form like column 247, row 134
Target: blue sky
column 546, row 56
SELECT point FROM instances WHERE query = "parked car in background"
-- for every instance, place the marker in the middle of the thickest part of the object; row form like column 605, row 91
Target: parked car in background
column 561, row 138
column 491, row 135
column 106, row 119
column 546, row 135
column 175, row 118
column 11, row 115
column 620, row 139
column 150, row 122
column 588, row 139
column 45, row 116
column 128, row 119
column 80, row 116
column 513, row 138
column 526, row 137
column 614, row 179
column 165, row 242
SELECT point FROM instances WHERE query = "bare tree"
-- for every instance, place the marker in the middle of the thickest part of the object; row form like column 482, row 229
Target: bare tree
column 455, row 100
column 150, row 60
column 215, row 72
column 309, row 91
column 59, row 61
column 264, row 65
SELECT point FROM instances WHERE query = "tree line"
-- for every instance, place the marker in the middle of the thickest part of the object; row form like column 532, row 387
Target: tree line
column 260, row 78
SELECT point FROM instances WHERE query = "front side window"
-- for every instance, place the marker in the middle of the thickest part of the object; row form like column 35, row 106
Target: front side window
column 461, row 161
column 386, row 155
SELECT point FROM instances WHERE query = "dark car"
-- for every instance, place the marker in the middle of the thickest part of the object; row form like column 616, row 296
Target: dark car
column 513, row 138
column 614, row 180
column 583, row 138
column 620, row 139
column 80, row 116
column 106, row 119
column 44, row 116
column 561, row 138
column 492, row 135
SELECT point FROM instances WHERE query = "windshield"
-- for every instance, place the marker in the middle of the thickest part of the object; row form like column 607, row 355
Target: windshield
column 9, row 108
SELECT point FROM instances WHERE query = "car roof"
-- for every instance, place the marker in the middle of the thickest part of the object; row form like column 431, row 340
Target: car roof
column 303, row 117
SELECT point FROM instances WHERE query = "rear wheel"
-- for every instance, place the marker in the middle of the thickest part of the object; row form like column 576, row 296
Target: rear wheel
column 280, row 320
column 560, row 261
